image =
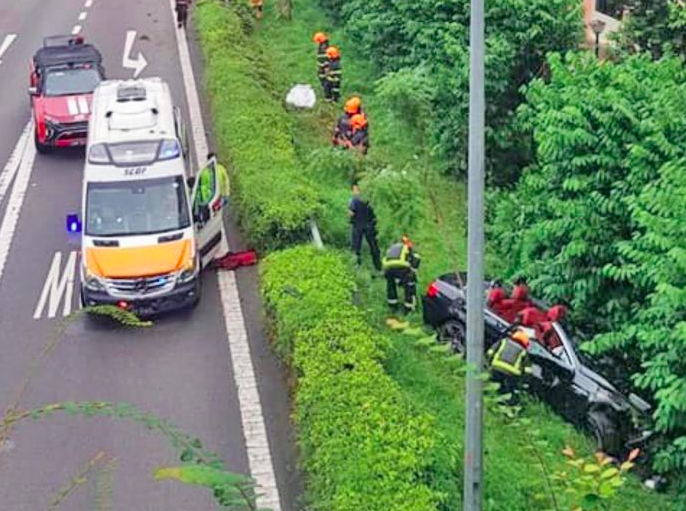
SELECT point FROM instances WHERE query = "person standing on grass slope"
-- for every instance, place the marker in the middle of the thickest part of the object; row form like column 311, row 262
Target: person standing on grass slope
column 342, row 134
column 360, row 133
column 363, row 223
column 323, row 41
column 332, row 74
column 258, row 8
column 400, row 266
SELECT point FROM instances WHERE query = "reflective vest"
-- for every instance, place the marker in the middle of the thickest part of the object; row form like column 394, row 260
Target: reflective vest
column 205, row 186
column 223, row 176
column 400, row 256
column 509, row 357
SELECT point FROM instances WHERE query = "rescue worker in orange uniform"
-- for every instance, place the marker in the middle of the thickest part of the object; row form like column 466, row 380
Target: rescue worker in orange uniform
column 332, row 74
column 323, row 41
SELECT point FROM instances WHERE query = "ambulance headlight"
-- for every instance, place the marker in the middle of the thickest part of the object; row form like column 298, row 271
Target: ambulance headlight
column 93, row 283
column 169, row 149
column 188, row 273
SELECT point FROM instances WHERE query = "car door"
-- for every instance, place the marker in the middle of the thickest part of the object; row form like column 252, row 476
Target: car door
column 552, row 377
column 207, row 217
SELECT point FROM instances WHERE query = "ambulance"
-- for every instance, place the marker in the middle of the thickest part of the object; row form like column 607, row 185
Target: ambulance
column 146, row 235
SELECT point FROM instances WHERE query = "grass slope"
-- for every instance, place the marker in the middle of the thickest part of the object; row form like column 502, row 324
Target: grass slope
column 514, row 476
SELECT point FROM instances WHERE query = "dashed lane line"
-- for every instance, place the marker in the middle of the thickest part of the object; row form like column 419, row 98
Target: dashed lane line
column 83, row 15
column 76, row 29
column 252, row 419
column 6, row 43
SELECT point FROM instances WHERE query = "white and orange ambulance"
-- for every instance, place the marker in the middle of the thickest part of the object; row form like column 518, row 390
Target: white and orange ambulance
column 146, row 231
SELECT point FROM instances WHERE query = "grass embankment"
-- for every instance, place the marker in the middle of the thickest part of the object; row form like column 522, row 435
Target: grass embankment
column 341, row 446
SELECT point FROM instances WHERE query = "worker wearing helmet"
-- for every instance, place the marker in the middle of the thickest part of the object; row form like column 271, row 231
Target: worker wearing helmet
column 342, row 135
column 258, row 8
column 400, row 266
column 181, row 7
column 360, row 132
column 332, row 74
column 507, row 360
column 323, row 41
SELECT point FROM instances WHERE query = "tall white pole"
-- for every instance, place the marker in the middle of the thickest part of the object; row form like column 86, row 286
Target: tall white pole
column 473, row 455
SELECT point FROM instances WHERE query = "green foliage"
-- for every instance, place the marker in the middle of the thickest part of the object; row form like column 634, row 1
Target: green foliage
column 592, row 482
column 117, row 314
column 597, row 220
column 363, row 446
column 655, row 26
column 424, row 44
column 253, row 131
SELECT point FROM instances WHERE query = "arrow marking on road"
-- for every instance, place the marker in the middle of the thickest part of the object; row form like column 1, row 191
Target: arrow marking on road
column 58, row 286
column 6, row 43
column 139, row 63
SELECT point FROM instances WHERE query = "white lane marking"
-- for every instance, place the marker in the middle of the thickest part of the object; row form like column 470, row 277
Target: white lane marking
column 16, row 199
column 82, row 15
column 58, row 286
column 140, row 62
column 8, row 173
column 76, row 29
column 197, row 123
column 252, row 420
column 88, row 3
column 6, row 43
column 83, row 105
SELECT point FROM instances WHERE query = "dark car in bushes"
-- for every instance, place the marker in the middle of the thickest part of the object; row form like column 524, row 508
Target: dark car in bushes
column 561, row 376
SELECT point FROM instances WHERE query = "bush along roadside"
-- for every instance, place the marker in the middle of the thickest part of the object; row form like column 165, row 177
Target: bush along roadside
column 363, row 445
column 274, row 200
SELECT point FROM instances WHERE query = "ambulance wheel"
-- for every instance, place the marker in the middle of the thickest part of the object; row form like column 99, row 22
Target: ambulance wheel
column 41, row 148
column 453, row 332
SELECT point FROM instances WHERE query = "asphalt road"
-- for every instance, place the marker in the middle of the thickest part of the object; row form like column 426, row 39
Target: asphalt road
column 180, row 369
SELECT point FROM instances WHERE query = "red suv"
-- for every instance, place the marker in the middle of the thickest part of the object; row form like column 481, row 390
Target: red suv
column 64, row 73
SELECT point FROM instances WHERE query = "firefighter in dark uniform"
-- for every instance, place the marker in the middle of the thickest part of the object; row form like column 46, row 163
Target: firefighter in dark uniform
column 360, row 133
column 182, row 7
column 400, row 267
column 343, row 132
column 508, row 361
column 363, row 222
column 332, row 74
column 323, row 41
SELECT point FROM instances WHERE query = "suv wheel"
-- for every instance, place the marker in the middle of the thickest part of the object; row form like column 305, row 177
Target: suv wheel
column 604, row 429
column 41, row 148
column 454, row 333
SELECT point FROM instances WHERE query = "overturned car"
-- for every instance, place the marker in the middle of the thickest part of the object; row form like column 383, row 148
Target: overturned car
column 561, row 375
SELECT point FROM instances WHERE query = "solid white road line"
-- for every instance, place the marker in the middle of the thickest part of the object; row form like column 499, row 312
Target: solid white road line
column 197, row 123
column 82, row 15
column 76, row 30
column 254, row 429
column 16, row 199
column 6, row 43
column 7, row 174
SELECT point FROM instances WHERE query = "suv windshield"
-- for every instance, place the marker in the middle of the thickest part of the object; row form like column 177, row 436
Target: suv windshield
column 67, row 82
column 138, row 207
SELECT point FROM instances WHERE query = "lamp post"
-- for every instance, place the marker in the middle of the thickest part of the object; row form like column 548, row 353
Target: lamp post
column 597, row 26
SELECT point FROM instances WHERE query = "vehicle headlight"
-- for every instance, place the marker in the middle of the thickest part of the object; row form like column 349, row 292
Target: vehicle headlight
column 93, row 282
column 187, row 273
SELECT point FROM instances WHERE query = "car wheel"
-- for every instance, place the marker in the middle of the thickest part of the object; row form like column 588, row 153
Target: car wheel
column 453, row 332
column 604, row 430
column 41, row 148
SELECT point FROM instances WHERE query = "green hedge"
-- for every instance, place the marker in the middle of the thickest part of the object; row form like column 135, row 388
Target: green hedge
column 253, row 132
column 363, row 446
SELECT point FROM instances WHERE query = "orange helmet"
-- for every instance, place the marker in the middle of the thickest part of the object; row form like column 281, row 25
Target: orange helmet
column 521, row 338
column 358, row 121
column 333, row 52
column 320, row 37
column 352, row 106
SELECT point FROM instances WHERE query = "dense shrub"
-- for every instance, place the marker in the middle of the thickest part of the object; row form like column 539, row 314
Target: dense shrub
column 253, row 132
column 655, row 26
column 426, row 42
column 363, row 446
column 596, row 221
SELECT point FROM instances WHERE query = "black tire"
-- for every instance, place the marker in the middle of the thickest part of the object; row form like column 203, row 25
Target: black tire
column 454, row 333
column 41, row 148
column 602, row 425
